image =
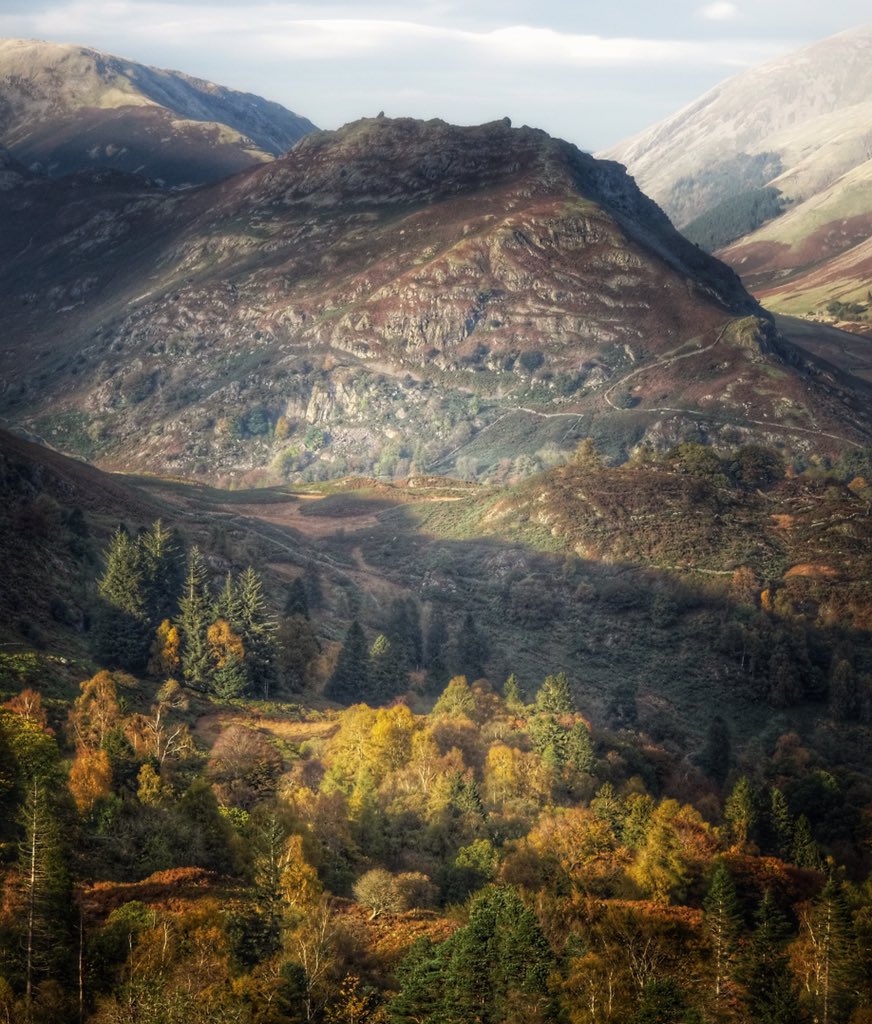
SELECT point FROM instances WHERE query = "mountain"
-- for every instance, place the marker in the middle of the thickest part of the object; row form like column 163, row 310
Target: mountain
column 788, row 144
column 396, row 294
column 66, row 108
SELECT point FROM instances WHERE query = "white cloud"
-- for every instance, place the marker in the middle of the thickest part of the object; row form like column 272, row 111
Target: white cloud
column 719, row 12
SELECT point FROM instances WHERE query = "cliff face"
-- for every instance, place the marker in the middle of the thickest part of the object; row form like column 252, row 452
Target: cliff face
column 396, row 292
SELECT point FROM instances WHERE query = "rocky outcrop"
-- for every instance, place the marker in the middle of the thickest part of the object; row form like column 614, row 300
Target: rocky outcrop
column 395, row 295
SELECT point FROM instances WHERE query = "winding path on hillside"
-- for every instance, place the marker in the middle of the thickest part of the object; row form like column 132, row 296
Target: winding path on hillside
column 669, row 358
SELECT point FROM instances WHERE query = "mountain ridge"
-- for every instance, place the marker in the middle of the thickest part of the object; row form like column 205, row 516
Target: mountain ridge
column 64, row 108
column 796, row 129
column 393, row 293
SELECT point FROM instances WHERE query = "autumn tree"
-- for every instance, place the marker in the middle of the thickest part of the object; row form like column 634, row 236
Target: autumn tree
column 161, row 733
column 227, row 657
column 165, row 654
column 96, row 710
column 90, row 778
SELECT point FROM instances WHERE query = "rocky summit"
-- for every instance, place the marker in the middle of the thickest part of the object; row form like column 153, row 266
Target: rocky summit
column 396, row 295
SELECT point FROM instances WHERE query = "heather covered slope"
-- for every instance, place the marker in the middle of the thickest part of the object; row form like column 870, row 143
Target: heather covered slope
column 394, row 294
column 785, row 143
column 67, row 108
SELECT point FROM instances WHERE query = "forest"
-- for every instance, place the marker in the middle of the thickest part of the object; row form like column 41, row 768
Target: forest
column 236, row 818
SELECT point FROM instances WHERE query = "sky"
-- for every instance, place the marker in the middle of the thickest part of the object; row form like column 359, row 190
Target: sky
column 592, row 73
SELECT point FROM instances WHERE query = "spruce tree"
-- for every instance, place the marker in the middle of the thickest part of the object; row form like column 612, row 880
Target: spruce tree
column 834, row 969
column 806, row 853
column 740, row 812
column 781, row 826
column 771, row 994
column 388, row 671
column 350, row 679
column 512, row 695
column 554, row 696
column 470, row 650
column 435, row 643
column 46, row 887
column 579, row 749
column 195, row 616
column 296, row 599
column 121, row 635
column 257, row 629
column 722, row 922
column 163, row 572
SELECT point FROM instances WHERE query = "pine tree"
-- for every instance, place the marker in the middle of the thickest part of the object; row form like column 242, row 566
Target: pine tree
column 740, row 812
column 805, row 850
column 770, row 988
column 420, row 980
column 228, row 605
column 350, row 678
column 46, row 888
column 121, row 635
column 296, row 599
column 512, row 695
column 435, row 641
column 780, row 824
column 257, row 628
column 388, row 673
column 554, row 696
column 722, row 921
column 579, row 749
column 497, row 967
column 404, row 631
column 828, row 934
column 122, row 583
column 163, row 574
column 470, row 650
column 195, row 616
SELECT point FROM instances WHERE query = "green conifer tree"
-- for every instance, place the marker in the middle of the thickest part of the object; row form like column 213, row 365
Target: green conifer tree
column 257, row 628
column 512, row 695
column 740, row 812
column 835, row 970
column 771, row 994
column 722, row 922
column 163, row 572
column 780, row 824
column 554, row 696
column 47, row 891
column 121, row 635
column 806, row 853
column 350, row 679
column 296, row 599
column 195, row 616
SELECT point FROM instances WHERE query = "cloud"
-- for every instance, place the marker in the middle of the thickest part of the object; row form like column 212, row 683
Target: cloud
column 719, row 12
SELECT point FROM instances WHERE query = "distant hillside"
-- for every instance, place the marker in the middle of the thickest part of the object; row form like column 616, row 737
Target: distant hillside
column 799, row 125
column 394, row 296
column 65, row 108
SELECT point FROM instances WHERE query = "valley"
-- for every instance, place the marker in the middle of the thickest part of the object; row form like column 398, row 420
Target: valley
column 433, row 589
